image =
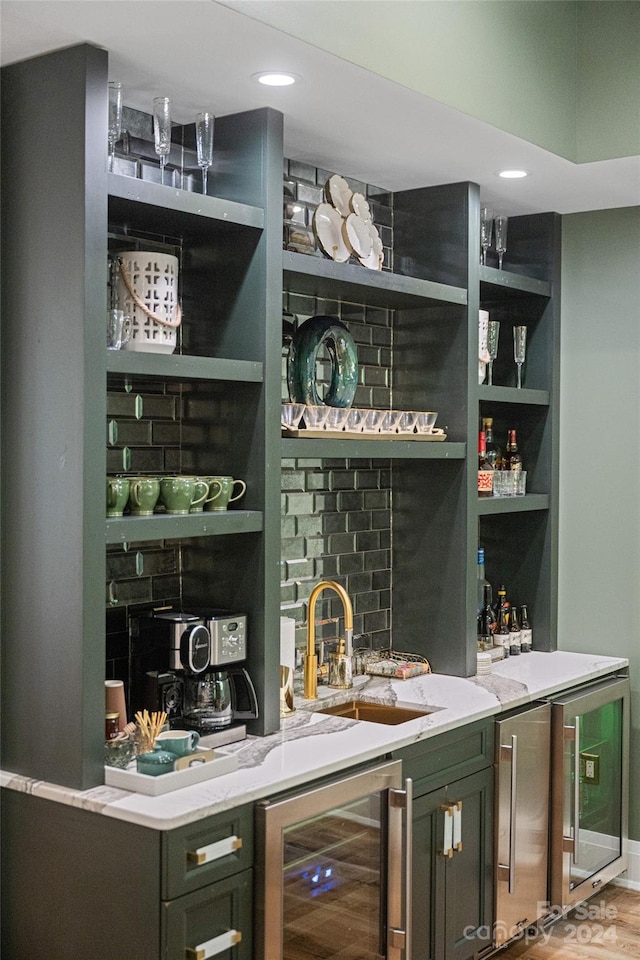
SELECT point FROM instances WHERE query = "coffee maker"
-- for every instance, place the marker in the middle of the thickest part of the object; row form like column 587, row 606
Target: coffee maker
column 189, row 665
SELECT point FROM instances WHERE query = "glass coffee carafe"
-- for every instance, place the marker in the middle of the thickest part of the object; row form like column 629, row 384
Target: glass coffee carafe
column 207, row 700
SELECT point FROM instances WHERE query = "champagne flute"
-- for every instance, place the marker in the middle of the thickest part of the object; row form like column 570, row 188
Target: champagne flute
column 486, row 230
column 115, row 118
column 501, row 238
column 493, row 335
column 204, row 144
column 162, row 130
column 519, row 349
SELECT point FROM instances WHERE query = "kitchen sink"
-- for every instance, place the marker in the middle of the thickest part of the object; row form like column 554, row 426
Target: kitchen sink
column 374, row 712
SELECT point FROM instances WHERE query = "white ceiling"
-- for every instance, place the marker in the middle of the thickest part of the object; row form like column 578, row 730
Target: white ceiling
column 339, row 116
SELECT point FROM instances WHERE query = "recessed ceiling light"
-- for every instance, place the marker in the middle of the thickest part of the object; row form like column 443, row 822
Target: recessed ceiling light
column 514, row 174
column 275, row 78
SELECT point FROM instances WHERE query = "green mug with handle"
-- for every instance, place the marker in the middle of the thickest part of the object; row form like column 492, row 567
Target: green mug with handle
column 226, row 495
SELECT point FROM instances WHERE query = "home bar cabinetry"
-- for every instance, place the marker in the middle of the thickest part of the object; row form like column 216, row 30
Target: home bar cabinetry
column 62, row 214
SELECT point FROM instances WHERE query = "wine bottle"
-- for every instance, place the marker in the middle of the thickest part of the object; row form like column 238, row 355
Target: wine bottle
column 492, row 451
column 513, row 458
column 485, row 470
column 501, row 634
column 514, row 633
column 526, row 633
column 486, row 621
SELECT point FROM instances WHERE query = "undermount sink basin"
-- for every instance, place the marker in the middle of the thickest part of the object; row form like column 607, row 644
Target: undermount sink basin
column 374, row 712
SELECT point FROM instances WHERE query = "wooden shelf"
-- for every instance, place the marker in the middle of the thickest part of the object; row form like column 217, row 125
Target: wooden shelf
column 495, row 505
column 167, row 201
column 496, row 394
column 318, row 277
column 178, row 366
column 512, row 283
column 210, row 523
column 293, row 447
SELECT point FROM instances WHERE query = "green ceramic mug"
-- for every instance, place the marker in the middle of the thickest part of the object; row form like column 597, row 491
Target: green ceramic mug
column 178, row 742
column 117, row 495
column 213, row 491
column 143, row 495
column 179, row 494
column 226, row 495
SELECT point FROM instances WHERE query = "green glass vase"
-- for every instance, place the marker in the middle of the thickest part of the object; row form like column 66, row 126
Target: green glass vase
column 313, row 335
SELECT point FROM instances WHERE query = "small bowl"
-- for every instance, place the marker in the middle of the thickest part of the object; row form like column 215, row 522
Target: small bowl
column 389, row 421
column 407, row 421
column 355, row 420
column 291, row 415
column 372, row 421
column 315, row 418
column 336, row 418
column 425, row 421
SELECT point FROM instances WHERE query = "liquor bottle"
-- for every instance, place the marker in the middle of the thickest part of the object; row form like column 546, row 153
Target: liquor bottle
column 482, row 583
column 501, row 633
column 485, row 621
column 493, row 452
column 513, row 458
column 485, row 470
column 514, row 633
column 526, row 633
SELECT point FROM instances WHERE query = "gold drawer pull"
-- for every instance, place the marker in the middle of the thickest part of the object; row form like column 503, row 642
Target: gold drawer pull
column 214, row 851
column 215, row 946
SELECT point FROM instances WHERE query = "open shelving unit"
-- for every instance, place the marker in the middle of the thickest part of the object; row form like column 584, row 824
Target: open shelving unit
column 62, row 216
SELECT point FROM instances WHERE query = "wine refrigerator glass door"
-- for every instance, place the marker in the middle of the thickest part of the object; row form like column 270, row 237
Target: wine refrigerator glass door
column 594, row 728
column 324, row 857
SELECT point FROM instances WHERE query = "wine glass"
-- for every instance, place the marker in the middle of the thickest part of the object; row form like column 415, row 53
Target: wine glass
column 204, row 144
column 519, row 349
column 493, row 335
column 115, row 118
column 162, row 130
column 501, row 238
column 486, row 229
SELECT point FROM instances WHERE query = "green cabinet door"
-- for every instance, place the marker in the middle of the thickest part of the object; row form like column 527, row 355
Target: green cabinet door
column 452, row 869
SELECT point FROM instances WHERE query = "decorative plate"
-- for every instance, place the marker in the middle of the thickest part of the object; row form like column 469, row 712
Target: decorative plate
column 360, row 205
column 376, row 258
column 357, row 236
column 339, row 193
column 327, row 224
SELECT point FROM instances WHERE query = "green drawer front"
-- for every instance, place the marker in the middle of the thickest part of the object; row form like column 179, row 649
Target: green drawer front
column 223, row 844
column 221, row 912
column 448, row 756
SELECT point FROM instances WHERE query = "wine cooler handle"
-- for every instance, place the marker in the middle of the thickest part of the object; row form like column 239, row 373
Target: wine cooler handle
column 211, row 948
column 408, row 868
column 400, row 881
column 512, row 814
column 576, row 790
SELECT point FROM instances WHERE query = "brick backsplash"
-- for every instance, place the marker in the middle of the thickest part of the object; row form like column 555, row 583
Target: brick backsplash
column 336, row 514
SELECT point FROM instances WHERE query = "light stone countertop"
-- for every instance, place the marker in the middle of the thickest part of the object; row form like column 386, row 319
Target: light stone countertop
column 311, row 745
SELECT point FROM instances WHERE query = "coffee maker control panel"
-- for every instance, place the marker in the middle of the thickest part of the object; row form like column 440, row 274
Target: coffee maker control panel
column 228, row 637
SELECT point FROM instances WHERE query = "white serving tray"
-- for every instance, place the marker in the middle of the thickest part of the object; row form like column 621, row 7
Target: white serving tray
column 354, row 435
column 130, row 779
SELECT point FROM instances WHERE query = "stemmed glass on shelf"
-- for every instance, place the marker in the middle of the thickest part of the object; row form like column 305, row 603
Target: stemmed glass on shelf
column 204, row 144
column 519, row 349
column 501, row 224
column 493, row 335
column 115, row 118
column 162, row 130
column 486, row 230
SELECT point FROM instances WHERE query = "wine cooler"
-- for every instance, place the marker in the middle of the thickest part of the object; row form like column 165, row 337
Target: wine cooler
column 334, row 867
column 590, row 775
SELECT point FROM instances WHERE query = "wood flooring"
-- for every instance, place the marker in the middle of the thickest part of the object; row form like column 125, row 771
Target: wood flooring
column 607, row 927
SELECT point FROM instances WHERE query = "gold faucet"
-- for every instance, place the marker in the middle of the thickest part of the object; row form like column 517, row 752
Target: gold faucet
column 343, row 656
